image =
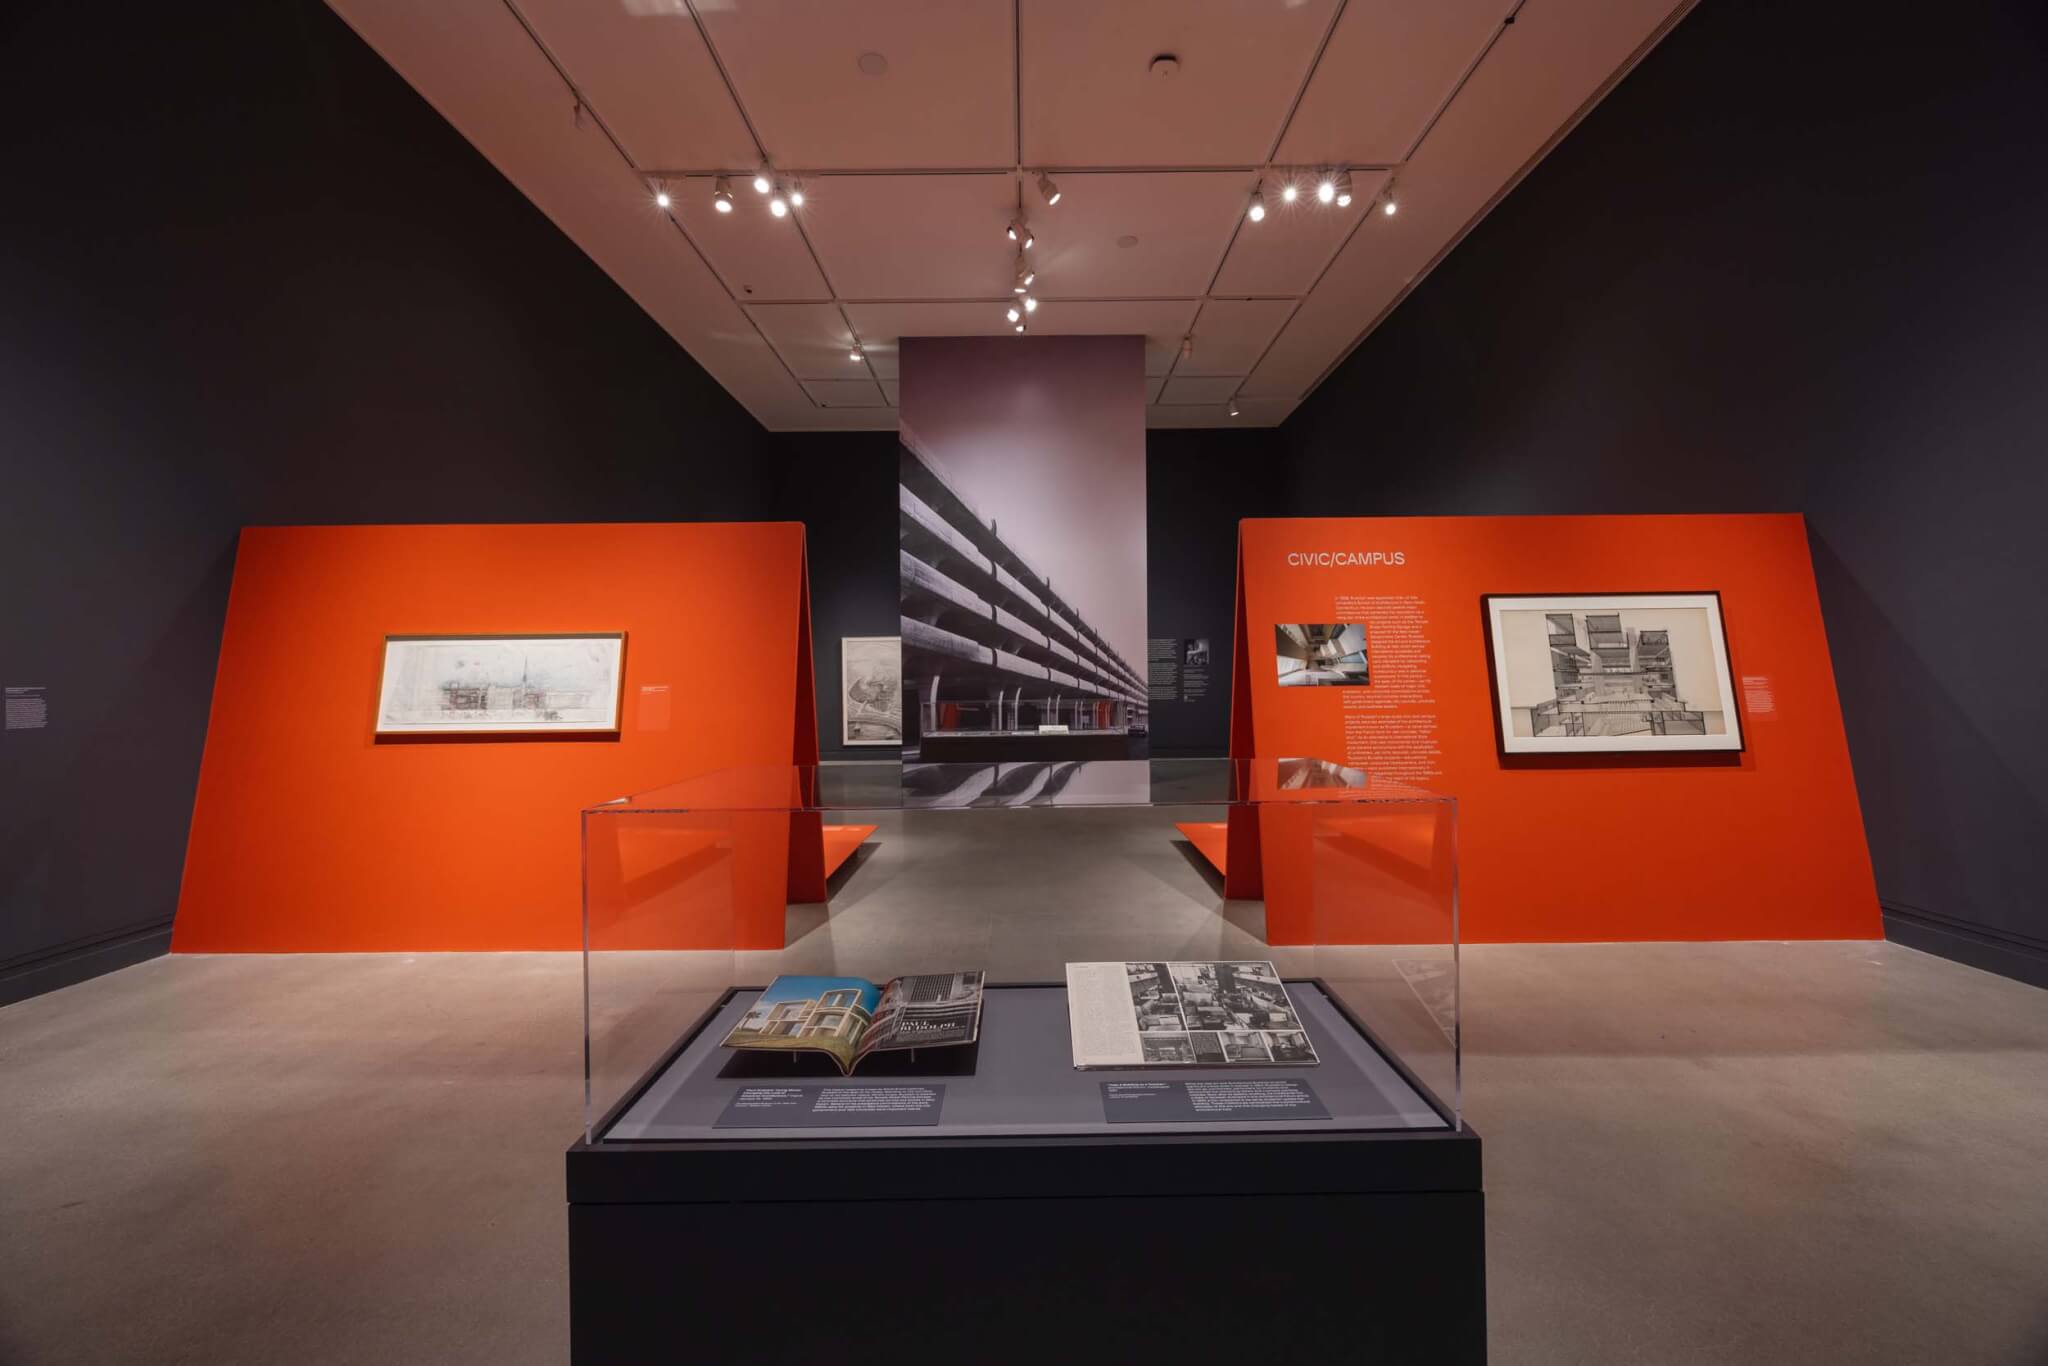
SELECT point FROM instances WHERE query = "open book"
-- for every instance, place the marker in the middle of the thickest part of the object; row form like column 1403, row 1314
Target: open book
column 1183, row 1014
column 850, row 1019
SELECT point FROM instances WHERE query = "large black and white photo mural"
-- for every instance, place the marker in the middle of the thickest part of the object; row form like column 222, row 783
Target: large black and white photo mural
column 1021, row 553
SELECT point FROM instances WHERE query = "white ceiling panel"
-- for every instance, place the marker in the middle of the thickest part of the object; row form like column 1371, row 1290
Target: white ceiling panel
column 1284, row 254
column 812, row 339
column 912, row 237
column 645, row 70
column 1161, row 322
column 1090, row 97
column 944, row 98
column 1178, row 225
column 759, row 256
column 1548, row 64
column 846, row 393
column 1390, row 65
column 903, row 119
column 1231, row 334
column 1199, row 389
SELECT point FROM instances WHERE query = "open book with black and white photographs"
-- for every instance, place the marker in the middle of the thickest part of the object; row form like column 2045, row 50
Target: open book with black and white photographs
column 1183, row 1014
column 850, row 1019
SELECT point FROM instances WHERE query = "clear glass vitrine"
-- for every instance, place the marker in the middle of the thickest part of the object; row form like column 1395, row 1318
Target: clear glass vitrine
column 696, row 894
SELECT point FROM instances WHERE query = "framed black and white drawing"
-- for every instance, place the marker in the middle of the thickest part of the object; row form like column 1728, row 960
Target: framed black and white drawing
column 1611, row 673
column 871, row 690
column 502, row 685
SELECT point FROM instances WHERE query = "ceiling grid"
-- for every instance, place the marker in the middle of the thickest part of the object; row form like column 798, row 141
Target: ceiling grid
column 890, row 116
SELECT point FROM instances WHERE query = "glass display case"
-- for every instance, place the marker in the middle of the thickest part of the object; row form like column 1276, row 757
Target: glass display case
column 1346, row 885
column 1214, row 1059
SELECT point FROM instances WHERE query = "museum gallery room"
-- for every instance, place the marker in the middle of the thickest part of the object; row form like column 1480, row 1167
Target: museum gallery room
column 1447, row 765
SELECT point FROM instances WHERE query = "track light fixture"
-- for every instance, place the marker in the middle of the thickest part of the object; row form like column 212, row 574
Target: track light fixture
column 1326, row 188
column 1021, row 281
column 1014, row 315
column 1289, row 192
column 721, row 195
column 1049, row 189
column 1233, row 408
column 1256, row 210
column 764, row 179
column 1343, row 189
column 661, row 199
column 1388, row 207
column 1187, row 348
column 796, row 194
column 1030, row 304
column 856, row 355
column 778, row 205
column 1020, row 328
column 1020, row 233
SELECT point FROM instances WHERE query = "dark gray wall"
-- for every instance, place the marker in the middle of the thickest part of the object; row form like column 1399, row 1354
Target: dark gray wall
column 1794, row 262
column 249, row 276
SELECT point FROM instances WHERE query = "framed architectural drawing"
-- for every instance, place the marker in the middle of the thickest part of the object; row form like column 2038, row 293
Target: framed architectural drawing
column 501, row 685
column 1611, row 673
column 870, row 690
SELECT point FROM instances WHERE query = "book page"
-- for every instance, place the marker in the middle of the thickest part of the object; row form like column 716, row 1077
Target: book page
column 931, row 1010
column 1105, row 1028
column 821, row 1014
column 1164, row 1014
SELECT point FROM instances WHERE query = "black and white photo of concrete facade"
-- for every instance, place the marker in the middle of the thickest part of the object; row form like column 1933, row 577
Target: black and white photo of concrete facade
column 1606, row 674
column 1314, row 656
column 997, row 662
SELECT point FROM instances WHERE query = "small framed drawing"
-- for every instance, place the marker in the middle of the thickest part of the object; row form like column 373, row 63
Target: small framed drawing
column 1610, row 673
column 870, row 690
column 502, row 685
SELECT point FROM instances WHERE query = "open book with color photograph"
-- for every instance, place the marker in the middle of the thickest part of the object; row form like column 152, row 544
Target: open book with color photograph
column 1183, row 1014
column 850, row 1019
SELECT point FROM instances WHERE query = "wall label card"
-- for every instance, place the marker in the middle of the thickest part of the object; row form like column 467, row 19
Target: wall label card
column 823, row 1105
column 1233, row 1100
column 27, row 709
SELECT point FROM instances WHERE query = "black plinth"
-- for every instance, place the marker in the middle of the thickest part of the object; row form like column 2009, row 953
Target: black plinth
column 1023, row 1229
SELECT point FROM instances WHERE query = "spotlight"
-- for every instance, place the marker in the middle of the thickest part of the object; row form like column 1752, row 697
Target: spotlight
column 1020, row 329
column 1326, row 189
column 856, row 355
column 1257, row 210
column 1343, row 189
column 1233, row 407
column 764, row 179
column 721, row 195
column 1016, row 231
column 1030, row 304
column 1388, row 207
column 779, row 206
column 1049, row 189
column 796, row 194
column 661, row 199
column 1289, row 192
column 1015, row 316
column 1187, row 348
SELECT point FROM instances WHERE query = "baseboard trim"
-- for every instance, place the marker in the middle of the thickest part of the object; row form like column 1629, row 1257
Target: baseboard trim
column 2019, row 957
column 75, row 963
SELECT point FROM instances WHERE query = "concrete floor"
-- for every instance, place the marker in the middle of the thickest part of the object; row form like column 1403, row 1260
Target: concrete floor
column 1811, row 1153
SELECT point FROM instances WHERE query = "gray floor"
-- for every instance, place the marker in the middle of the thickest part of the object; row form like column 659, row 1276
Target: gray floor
column 1809, row 1153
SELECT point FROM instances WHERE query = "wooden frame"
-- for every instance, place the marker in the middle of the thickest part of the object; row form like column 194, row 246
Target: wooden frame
column 1707, row 667
column 602, row 708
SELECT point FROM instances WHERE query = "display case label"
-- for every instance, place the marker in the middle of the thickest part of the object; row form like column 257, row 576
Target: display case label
column 823, row 1105
column 1231, row 1100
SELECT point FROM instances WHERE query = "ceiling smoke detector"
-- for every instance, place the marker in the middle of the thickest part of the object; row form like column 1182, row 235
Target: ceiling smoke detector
column 1165, row 67
column 873, row 64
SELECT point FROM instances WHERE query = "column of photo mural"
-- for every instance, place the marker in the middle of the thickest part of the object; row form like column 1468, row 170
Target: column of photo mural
column 1021, row 568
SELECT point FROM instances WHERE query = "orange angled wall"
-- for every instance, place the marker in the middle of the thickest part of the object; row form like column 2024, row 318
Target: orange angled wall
column 307, row 834
column 1767, row 844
